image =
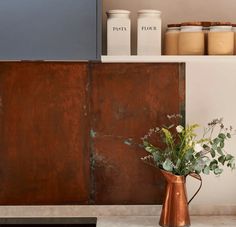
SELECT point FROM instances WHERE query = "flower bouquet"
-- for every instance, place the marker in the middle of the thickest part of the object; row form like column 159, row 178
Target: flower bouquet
column 182, row 152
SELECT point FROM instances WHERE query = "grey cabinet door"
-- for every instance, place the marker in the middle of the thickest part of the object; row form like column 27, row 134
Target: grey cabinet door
column 50, row 29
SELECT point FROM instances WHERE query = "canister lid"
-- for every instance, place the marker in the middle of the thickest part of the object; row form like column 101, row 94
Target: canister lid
column 206, row 23
column 191, row 23
column 118, row 11
column 173, row 25
column 149, row 11
column 221, row 24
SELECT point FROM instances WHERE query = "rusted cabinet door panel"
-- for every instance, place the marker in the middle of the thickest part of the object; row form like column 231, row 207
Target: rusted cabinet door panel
column 44, row 156
column 127, row 100
column 46, row 112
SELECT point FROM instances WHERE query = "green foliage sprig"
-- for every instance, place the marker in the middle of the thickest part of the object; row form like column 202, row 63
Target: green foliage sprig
column 182, row 152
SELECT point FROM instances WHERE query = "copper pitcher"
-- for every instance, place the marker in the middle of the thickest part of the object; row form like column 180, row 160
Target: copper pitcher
column 175, row 211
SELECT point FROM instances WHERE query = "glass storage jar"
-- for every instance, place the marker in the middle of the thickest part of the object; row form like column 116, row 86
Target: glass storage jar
column 234, row 30
column 206, row 28
column 191, row 39
column 221, row 39
column 149, row 32
column 118, row 32
column 172, row 39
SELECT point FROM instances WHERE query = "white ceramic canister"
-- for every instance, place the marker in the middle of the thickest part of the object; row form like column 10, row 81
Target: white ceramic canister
column 172, row 39
column 149, row 32
column 191, row 39
column 118, row 32
column 221, row 39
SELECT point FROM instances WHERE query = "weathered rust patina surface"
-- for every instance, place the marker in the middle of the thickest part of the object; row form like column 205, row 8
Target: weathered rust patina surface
column 63, row 131
column 127, row 100
column 44, row 157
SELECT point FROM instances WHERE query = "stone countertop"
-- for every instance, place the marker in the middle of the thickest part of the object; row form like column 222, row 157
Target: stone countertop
column 125, row 216
column 107, row 211
column 196, row 221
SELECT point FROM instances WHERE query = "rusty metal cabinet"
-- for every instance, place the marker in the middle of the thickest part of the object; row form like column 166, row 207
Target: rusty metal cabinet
column 43, row 133
column 127, row 100
column 63, row 128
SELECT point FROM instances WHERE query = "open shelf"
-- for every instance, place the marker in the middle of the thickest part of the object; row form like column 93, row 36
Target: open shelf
column 166, row 59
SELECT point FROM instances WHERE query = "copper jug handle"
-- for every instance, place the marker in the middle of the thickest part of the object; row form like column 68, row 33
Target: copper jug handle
column 198, row 177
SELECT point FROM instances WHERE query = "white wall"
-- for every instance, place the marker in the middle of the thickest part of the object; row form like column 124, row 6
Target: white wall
column 174, row 11
column 211, row 93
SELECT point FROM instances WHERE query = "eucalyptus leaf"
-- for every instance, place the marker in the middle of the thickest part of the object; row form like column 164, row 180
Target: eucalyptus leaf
column 222, row 136
column 206, row 170
column 229, row 157
column 214, row 146
column 149, row 149
column 213, row 153
column 198, row 155
column 216, row 141
column 231, row 163
column 219, row 151
column 206, row 160
column 222, row 159
column 189, row 155
column 218, row 171
column 197, row 169
column 157, row 157
column 185, row 172
column 168, row 165
column 214, row 161
column 213, row 165
column 222, row 144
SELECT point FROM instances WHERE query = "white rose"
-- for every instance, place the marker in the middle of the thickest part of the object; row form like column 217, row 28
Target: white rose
column 198, row 147
column 179, row 128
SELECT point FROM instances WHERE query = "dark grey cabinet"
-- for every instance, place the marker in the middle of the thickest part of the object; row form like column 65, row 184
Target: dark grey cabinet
column 50, row 29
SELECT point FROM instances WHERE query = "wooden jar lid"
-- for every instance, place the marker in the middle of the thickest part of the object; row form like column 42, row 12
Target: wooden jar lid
column 173, row 25
column 221, row 24
column 206, row 23
column 191, row 24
